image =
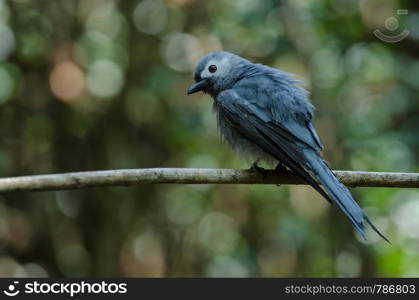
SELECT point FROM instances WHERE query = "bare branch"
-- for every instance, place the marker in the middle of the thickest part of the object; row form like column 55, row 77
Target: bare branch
column 79, row 180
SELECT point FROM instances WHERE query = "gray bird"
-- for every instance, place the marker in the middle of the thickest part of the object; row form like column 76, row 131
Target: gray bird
column 264, row 114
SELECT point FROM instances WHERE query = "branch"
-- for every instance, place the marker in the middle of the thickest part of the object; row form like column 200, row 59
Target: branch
column 79, row 180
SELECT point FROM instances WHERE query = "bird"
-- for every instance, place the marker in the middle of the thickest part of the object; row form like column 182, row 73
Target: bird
column 265, row 114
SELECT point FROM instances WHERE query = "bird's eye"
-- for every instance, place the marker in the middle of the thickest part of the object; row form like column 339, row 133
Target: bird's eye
column 212, row 68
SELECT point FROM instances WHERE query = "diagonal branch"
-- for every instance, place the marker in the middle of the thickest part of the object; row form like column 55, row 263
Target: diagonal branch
column 126, row 177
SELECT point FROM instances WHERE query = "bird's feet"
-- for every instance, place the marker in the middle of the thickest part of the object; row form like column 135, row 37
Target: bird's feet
column 281, row 168
column 255, row 167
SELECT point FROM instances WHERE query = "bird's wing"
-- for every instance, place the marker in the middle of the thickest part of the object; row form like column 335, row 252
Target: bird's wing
column 300, row 128
column 277, row 98
column 314, row 134
column 293, row 119
column 257, row 127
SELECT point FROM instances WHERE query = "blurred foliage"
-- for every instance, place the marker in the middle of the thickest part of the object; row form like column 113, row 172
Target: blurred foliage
column 101, row 84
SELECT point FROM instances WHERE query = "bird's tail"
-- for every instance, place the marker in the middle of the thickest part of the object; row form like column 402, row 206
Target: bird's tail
column 339, row 193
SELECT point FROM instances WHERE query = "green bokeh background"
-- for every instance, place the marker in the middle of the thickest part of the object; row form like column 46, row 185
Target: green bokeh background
column 101, row 84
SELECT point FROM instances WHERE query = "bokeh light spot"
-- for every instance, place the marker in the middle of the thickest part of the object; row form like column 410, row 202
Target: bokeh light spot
column 7, row 44
column 181, row 51
column 150, row 16
column 67, row 81
column 105, row 78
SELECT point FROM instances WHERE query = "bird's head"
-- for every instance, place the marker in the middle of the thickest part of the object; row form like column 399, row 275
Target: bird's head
column 217, row 72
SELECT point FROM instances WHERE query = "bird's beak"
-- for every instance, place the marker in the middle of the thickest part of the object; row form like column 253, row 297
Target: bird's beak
column 197, row 86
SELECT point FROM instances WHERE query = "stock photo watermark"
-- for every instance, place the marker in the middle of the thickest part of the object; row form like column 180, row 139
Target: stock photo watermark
column 392, row 25
column 12, row 289
column 64, row 288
